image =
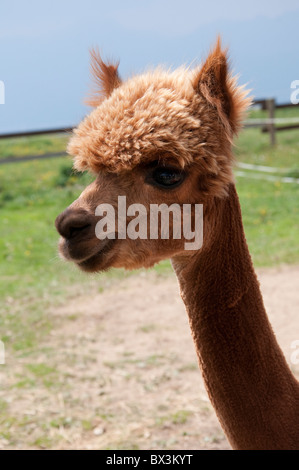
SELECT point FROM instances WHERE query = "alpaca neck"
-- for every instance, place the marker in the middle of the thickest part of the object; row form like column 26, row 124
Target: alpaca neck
column 247, row 378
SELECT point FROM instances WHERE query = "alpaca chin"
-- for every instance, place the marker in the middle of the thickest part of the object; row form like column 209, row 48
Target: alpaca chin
column 88, row 259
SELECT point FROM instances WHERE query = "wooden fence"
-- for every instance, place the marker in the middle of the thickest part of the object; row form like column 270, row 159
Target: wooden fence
column 269, row 124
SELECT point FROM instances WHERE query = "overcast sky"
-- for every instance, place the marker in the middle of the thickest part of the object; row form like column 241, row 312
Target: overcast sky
column 44, row 48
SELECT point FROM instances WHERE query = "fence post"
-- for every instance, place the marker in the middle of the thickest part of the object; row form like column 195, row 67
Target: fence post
column 270, row 106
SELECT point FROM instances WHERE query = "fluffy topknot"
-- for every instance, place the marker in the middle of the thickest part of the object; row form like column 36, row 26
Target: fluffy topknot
column 189, row 115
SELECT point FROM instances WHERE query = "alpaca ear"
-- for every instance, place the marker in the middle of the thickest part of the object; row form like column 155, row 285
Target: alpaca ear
column 215, row 83
column 105, row 79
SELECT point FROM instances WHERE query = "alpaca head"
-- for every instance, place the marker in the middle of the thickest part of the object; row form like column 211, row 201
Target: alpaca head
column 161, row 137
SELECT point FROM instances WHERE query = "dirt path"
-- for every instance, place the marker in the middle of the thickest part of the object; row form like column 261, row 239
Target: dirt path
column 126, row 370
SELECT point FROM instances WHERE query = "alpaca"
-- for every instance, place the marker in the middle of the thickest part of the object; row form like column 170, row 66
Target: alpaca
column 166, row 137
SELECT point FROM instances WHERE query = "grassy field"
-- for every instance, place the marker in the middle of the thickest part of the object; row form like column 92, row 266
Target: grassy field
column 35, row 145
column 32, row 194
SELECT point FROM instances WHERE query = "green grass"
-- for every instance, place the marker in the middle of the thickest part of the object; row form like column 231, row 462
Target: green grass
column 291, row 112
column 31, row 196
column 36, row 145
column 270, row 209
column 253, row 147
column 180, row 417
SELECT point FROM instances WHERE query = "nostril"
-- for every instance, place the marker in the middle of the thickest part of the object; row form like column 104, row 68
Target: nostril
column 74, row 231
column 72, row 223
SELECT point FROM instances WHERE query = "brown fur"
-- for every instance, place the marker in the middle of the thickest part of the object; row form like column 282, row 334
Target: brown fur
column 163, row 113
column 250, row 385
column 220, row 90
column 105, row 77
column 188, row 118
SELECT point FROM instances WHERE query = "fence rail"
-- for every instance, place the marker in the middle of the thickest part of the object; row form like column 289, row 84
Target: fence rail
column 269, row 125
column 59, row 130
column 24, row 158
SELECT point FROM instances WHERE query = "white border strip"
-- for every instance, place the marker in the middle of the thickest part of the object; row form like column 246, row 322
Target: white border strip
column 266, row 169
column 256, row 176
column 265, row 121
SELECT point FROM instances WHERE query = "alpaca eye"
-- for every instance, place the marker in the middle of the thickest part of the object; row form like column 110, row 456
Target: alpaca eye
column 167, row 177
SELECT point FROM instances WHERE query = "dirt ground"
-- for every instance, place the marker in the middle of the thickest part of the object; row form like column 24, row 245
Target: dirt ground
column 124, row 373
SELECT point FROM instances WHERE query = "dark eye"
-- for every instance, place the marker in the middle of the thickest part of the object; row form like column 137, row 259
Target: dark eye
column 167, row 177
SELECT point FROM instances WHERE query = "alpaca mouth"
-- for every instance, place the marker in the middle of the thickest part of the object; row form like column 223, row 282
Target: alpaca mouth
column 100, row 261
column 89, row 255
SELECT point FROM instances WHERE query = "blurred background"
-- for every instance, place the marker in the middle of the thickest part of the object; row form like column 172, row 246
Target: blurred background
column 89, row 361
column 44, row 48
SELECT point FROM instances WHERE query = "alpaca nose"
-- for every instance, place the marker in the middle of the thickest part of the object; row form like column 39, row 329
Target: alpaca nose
column 73, row 222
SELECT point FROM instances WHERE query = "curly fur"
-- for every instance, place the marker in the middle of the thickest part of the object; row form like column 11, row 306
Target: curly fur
column 189, row 115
